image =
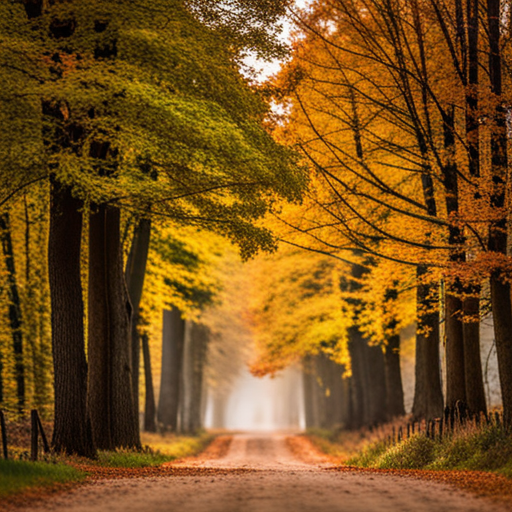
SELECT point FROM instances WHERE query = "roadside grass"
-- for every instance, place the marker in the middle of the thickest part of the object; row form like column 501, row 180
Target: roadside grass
column 158, row 448
column 482, row 448
column 17, row 476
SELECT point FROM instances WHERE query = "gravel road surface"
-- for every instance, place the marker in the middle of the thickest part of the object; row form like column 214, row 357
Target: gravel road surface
column 259, row 473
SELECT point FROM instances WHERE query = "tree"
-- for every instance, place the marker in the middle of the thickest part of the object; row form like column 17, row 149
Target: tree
column 149, row 403
column 105, row 126
column 134, row 274
column 173, row 341
column 110, row 399
column 194, row 360
column 15, row 316
column 374, row 112
column 72, row 428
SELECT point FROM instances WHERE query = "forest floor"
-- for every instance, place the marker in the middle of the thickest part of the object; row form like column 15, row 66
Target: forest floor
column 275, row 473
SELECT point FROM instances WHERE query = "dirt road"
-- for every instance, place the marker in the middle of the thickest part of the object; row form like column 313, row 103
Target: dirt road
column 259, row 473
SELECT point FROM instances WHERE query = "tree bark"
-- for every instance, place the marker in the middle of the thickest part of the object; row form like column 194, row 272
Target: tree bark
column 134, row 273
column 72, row 428
column 15, row 316
column 196, row 342
column 475, row 391
column 358, row 381
column 149, row 404
column 335, row 393
column 310, row 395
column 498, row 233
column 428, row 395
column 376, row 386
column 110, row 399
column 173, row 338
column 455, row 368
column 394, row 388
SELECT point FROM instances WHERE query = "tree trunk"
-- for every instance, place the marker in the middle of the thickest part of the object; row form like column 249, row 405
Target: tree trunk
column 455, row 371
column 428, row 396
column 72, row 428
column 110, row 399
column 134, row 273
column 15, row 317
column 498, row 239
column 173, row 338
column 310, row 395
column 149, row 405
column 357, row 357
column 475, row 391
column 376, row 386
column 196, row 342
column 394, row 388
column 336, row 399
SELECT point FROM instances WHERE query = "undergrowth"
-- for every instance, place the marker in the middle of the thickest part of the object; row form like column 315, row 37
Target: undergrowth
column 485, row 448
column 16, row 475
column 158, row 448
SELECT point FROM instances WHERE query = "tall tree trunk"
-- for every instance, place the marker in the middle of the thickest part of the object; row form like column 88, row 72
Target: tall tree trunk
column 110, row 399
column 15, row 317
column 310, row 395
column 394, row 388
column 498, row 239
column 72, row 428
column 320, row 390
column 369, row 384
column 336, row 395
column 173, row 338
column 356, row 350
column 455, row 367
column 455, row 370
column 134, row 273
column 428, row 396
column 475, row 391
column 149, row 404
column 196, row 342
column 376, row 386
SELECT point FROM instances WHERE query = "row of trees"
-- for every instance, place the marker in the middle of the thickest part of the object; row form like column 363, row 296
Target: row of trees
column 124, row 112
column 401, row 109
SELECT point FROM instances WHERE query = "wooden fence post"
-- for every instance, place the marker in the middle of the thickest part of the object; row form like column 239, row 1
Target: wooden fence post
column 33, row 435
column 46, row 447
column 4, row 434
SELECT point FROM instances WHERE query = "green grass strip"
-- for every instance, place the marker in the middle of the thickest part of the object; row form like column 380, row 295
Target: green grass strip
column 486, row 449
column 16, row 476
column 158, row 449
